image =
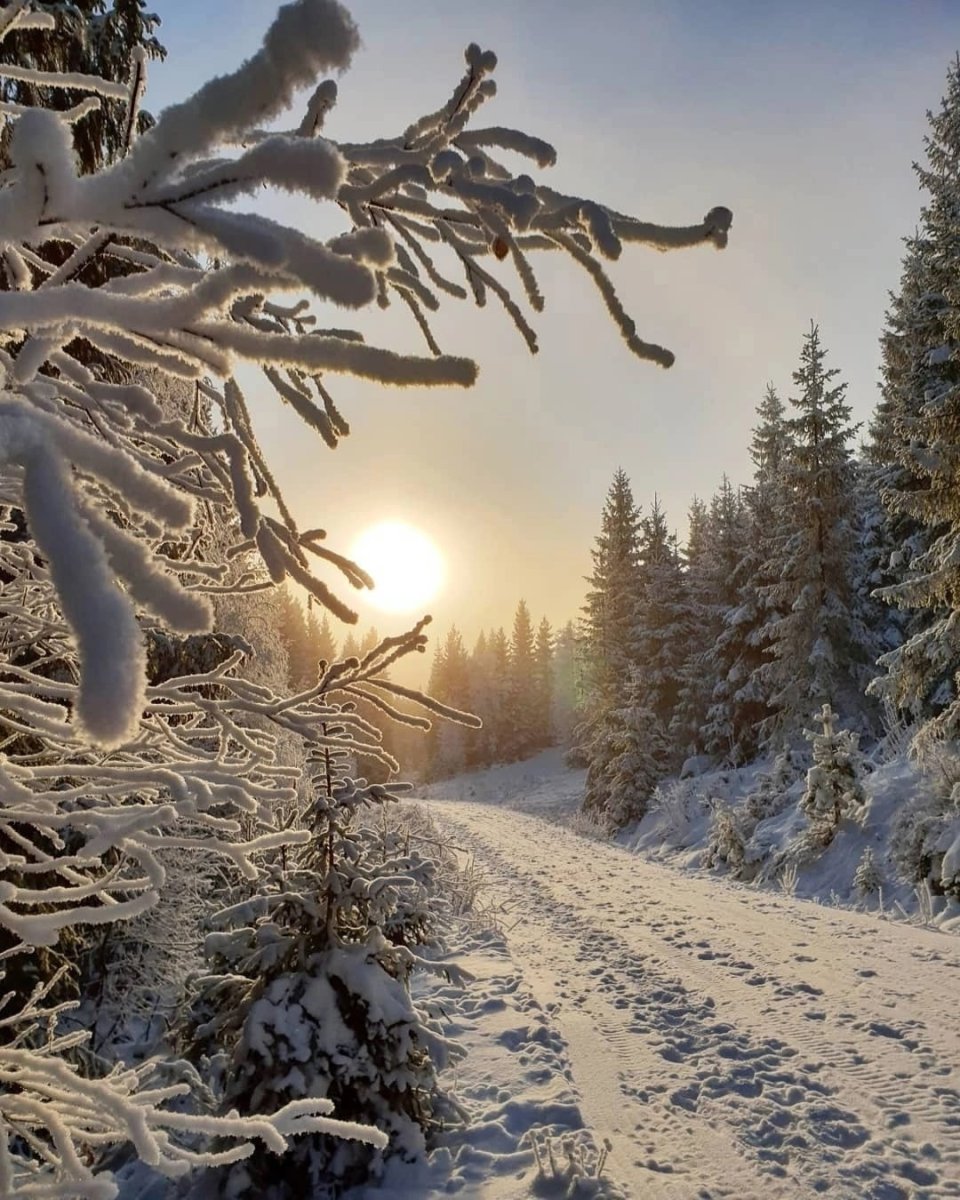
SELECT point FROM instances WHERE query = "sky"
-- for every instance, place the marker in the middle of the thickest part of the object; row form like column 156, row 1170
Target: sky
column 803, row 118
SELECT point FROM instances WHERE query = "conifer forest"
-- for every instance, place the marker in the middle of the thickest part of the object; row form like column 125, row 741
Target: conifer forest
column 654, row 893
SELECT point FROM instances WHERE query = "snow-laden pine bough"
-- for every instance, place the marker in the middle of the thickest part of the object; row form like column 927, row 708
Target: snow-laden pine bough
column 129, row 514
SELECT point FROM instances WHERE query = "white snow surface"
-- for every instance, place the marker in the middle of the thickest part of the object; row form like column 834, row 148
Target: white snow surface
column 727, row 1041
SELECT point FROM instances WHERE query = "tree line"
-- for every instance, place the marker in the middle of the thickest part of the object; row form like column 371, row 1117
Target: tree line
column 831, row 579
column 523, row 687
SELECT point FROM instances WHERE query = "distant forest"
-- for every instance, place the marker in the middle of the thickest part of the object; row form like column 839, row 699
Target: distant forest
column 524, row 686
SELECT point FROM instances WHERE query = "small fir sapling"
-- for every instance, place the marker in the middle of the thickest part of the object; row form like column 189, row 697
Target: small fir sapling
column 867, row 878
column 310, row 992
column 771, row 793
column 727, row 843
column 833, row 788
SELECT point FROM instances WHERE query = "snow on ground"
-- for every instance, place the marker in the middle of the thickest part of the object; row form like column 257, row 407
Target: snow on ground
column 678, row 829
column 515, row 1080
column 541, row 785
column 729, row 1042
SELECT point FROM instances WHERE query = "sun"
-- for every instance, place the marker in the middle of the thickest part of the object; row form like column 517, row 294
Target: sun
column 406, row 566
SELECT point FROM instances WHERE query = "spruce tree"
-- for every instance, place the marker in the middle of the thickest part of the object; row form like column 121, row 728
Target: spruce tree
column 698, row 535
column 499, row 650
column 610, row 613
column 450, row 683
column 521, row 727
column 325, row 645
column 319, row 647
column 92, row 38
column 369, row 640
column 566, row 684
column 543, row 686
column 620, row 727
column 628, row 754
column 293, row 632
column 714, row 553
column 743, row 651
column 307, row 993
column 481, row 742
column 833, row 786
column 910, row 369
column 664, row 624
column 816, row 656
column 916, row 442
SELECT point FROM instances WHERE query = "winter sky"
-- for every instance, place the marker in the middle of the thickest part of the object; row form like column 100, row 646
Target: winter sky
column 803, row 118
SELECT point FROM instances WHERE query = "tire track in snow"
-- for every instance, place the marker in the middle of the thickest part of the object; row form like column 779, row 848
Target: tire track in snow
column 810, row 1065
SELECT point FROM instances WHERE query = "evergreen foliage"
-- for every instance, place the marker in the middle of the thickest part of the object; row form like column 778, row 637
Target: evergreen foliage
column 867, row 878
column 714, row 552
column 916, row 445
column 93, row 38
column 507, row 683
column 816, row 651
column 622, row 738
column 308, row 994
column 833, row 787
column 663, row 622
column 542, row 685
column 610, row 613
column 566, row 684
column 521, row 716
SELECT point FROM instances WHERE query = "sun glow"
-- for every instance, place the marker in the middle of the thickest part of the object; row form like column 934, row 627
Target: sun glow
column 406, row 566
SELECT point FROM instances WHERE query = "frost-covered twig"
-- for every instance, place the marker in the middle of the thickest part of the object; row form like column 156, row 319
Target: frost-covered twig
column 135, row 499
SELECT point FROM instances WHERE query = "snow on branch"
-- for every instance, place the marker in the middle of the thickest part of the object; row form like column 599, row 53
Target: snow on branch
column 46, row 1103
column 135, row 498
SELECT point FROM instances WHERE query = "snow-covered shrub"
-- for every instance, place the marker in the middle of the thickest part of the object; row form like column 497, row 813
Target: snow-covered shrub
column 577, row 757
column 868, row 878
column 571, row 1165
column 458, row 882
column 948, row 847
column 132, row 265
column 590, row 824
column 770, row 795
column 309, row 993
column 899, row 734
column 833, row 786
column 788, row 876
column 914, row 833
column 727, row 840
column 924, row 833
column 676, row 801
column 135, row 979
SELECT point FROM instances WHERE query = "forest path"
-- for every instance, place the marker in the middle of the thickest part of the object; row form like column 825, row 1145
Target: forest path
column 729, row 1042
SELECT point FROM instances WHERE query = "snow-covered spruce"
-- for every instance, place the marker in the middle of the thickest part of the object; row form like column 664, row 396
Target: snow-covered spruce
column 914, row 444
column 867, row 878
column 309, row 992
column 833, row 787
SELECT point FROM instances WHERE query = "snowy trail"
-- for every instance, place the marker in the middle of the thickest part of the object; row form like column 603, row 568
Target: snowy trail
column 731, row 1042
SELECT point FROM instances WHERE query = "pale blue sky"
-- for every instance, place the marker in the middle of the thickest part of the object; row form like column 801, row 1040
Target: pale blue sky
column 803, row 118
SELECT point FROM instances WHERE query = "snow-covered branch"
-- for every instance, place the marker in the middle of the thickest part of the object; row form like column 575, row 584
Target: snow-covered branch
column 135, row 499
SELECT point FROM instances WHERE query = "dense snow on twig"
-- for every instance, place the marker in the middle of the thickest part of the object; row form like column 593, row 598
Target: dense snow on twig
column 136, row 500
